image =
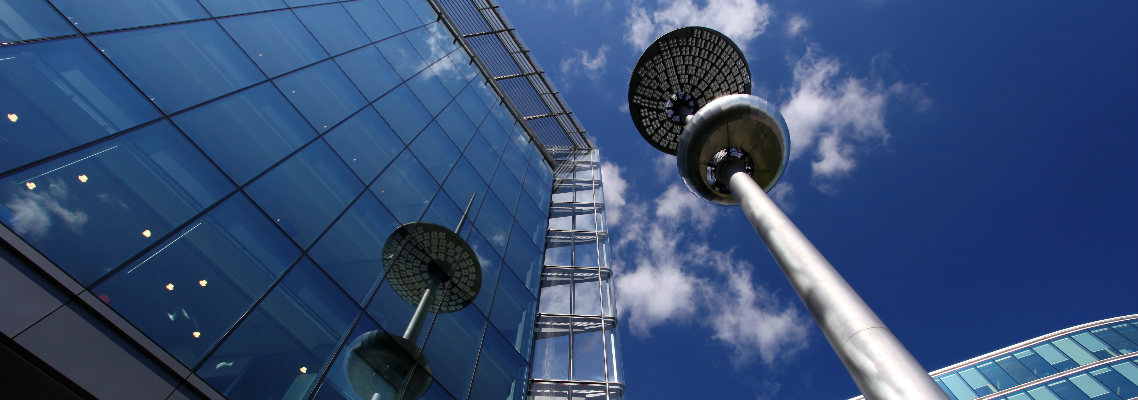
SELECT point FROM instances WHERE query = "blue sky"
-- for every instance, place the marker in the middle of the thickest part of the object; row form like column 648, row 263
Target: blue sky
column 970, row 167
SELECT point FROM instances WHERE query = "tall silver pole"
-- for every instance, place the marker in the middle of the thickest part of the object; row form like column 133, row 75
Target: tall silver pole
column 882, row 368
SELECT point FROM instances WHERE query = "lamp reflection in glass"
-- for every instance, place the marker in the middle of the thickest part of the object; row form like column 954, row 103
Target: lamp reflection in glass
column 30, row 185
column 146, row 233
column 13, row 118
column 83, row 178
column 197, row 334
column 203, row 282
column 426, row 264
column 169, row 286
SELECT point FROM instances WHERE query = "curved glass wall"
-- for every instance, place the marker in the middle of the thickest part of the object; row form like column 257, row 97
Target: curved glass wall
column 576, row 347
column 1093, row 361
column 223, row 175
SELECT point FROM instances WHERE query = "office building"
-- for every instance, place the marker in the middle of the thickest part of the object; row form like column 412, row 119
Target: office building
column 195, row 196
column 1097, row 360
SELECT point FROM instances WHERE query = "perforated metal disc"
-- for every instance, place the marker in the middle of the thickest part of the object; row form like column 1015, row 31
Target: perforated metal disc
column 408, row 256
column 677, row 75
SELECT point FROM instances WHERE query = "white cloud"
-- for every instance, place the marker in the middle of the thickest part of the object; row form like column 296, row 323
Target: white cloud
column 835, row 118
column 32, row 210
column 614, row 188
column 667, row 274
column 741, row 20
column 582, row 62
column 796, row 25
column 781, row 195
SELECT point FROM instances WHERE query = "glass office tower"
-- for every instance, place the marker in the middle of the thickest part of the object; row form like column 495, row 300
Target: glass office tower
column 1098, row 360
column 195, row 194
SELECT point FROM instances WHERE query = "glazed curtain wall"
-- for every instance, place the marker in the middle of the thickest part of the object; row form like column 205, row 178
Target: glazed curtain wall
column 224, row 173
column 577, row 347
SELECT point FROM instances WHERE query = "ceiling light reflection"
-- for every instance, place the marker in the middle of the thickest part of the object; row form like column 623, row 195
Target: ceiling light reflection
column 304, row 370
column 203, row 282
column 13, row 118
column 197, row 334
column 169, row 286
column 31, row 185
column 146, row 233
column 83, row 178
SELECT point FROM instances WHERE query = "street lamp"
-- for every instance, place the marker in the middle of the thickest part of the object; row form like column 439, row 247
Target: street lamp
column 689, row 97
column 430, row 266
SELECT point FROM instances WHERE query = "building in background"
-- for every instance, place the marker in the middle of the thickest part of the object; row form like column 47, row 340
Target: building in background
column 1098, row 360
column 195, row 193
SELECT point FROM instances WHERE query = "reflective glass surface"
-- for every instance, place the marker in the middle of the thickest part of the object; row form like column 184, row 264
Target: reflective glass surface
column 306, row 192
column 190, row 289
column 92, row 209
column 281, row 348
column 501, row 371
column 247, row 132
column 365, row 143
column 322, row 93
column 333, row 28
column 276, row 41
column 220, row 8
column 180, row 65
column 372, row 18
column 436, row 151
column 404, row 113
column 59, row 94
column 405, row 188
column 26, row 20
column 402, row 56
column 452, row 348
column 369, row 71
column 514, row 307
column 349, row 251
column 92, row 16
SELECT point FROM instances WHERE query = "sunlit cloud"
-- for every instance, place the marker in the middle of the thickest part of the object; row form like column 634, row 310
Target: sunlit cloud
column 668, row 274
column 796, row 24
column 741, row 20
column 584, row 63
column 836, row 118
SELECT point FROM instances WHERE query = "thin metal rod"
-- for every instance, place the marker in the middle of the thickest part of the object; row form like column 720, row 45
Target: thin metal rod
column 421, row 311
column 467, row 211
column 880, row 365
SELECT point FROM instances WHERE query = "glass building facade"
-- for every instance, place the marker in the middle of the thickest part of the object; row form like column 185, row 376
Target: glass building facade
column 195, row 195
column 1097, row 361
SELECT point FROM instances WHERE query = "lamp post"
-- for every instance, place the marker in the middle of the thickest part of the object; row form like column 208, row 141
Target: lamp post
column 430, row 266
column 689, row 96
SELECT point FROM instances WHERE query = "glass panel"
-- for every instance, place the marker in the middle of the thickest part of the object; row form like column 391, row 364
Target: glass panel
column 482, row 157
column 322, row 93
column 1016, row 369
column 1074, row 351
column 276, row 41
column 491, row 264
column 188, row 293
column 452, row 348
column 454, row 71
column 1055, row 357
column 548, row 391
column 336, row 386
column 492, row 131
column 536, row 184
column 405, row 188
column 403, row 112
column 430, row 91
column 524, row 258
column 436, row 151
column 332, row 27
column 1130, row 331
column 457, row 126
column 588, row 350
column 585, row 218
column 585, row 251
column 27, row 20
column 401, row 13
column 280, row 349
column 555, row 294
column 306, row 192
column 425, row 12
column 464, row 182
column 1096, row 346
column 1116, row 340
column 94, row 16
column 551, row 348
column 516, row 153
column 558, row 251
column 563, row 193
column 501, row 373
column 180, row 65
column 60, row 94
column 298, row 3
column 247, row 132
column 494, row 222
column 977, row 382
column 996, row 375
column 613, row 352
column 507, row 188
column 1038, row 366
column 92, row 209
column 429, row 43
column 402, row 56
column 1067, row 390
column 1091, row 387
column 1019, row 396
column 960, row 389
column 372, row 18
column 365, row 143
column 533, row 221
column 945, row 389
column 586, row 293
column 472, row 105
column 513, row 313
column 607, row 294
column 221, row 8
column 393, row 313
column 369, row 71
column 1115, row 383
column 1128, row 370
column 348, row 252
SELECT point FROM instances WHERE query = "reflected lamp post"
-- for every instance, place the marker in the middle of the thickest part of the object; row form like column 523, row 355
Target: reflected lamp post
column 689, row 96
column 430, row 266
